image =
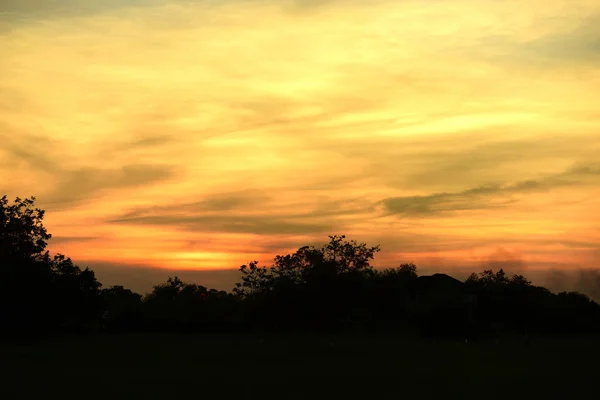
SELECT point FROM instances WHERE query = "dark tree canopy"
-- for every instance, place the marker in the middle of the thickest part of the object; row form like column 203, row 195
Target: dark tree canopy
column 331, row 288
column 39, row 292
column 308, row 264
column 22, row 233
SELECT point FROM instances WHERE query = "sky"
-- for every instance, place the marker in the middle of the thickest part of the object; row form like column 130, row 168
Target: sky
column 191, row 137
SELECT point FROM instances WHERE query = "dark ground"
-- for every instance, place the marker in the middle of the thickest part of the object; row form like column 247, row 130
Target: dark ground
column 149, row 366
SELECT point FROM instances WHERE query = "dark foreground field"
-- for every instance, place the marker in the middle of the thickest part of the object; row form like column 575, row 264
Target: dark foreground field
column 299, row 367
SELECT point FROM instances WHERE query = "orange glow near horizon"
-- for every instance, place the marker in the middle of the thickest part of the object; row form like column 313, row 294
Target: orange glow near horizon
column 204, row 135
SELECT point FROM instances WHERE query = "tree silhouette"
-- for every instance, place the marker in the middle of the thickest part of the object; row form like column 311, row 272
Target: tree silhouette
column 308, row 264
column 391, row 295
column 313, row 288
column 330, row 288
column 122, row 309
column 22, row 233
column 39, row 293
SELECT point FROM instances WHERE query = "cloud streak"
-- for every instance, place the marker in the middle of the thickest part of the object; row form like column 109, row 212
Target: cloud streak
column 236, row 212
column 85, row 183
column 488, row 197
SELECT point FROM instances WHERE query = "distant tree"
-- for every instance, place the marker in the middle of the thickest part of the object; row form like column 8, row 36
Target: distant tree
column 256, row 279
column 576, row 312
column 307, row 264
column 76, row 293
column 167, row 291
column 348, row 255
column 179, row 306
column 490, row 279
column 408, row 270
column 520, row 280
column 391, row 296
column 122, row 308
column 404, row 273
column 473, row 278
column 314, row 283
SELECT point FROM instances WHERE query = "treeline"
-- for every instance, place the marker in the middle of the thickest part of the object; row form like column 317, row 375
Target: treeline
column 332, row 288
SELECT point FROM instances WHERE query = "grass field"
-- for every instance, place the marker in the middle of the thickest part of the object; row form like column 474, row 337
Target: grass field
column 299, row 367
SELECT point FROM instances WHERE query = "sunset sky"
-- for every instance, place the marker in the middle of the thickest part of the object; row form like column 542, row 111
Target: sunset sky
column 201, row 135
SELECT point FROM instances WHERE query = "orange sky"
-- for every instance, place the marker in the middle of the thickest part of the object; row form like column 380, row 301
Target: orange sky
column 206, row 134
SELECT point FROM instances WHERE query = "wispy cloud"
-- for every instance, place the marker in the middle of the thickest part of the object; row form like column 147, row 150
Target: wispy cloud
column 488, row 197
column 84, row 183
column 70, row 239
column 259, row 225
column 248, row 211
column 203, row 134
column 576, row 44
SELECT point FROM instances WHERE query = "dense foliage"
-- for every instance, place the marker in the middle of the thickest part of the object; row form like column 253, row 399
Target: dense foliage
column 331, row 288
